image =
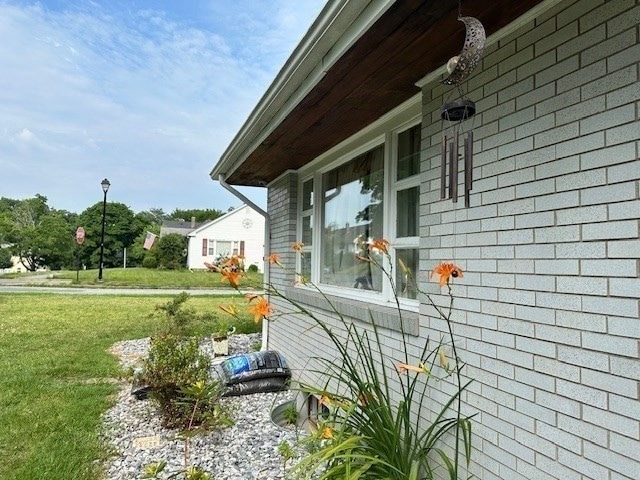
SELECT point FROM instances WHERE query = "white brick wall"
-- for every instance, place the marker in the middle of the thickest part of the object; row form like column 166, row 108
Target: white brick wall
column 557, row 275
column 548, row 310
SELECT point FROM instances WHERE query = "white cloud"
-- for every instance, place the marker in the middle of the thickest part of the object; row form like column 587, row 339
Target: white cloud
column 147, row 98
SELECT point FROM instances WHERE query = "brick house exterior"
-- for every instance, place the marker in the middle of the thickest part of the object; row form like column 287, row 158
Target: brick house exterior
column 548, row 311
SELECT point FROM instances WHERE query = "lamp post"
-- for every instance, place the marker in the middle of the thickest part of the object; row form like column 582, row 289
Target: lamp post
column 105, row 188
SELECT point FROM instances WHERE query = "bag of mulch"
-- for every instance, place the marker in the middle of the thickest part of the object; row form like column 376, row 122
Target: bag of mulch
column 257, row 372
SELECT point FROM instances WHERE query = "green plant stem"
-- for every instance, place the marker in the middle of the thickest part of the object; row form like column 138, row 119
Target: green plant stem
column 459, row 380
column 186, row 440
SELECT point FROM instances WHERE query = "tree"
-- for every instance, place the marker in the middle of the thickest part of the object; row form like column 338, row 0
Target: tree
column 121, row 230
column 153, row 216
column 171, row 251
column 201, row 215
column 5, row 258
column 38, row 235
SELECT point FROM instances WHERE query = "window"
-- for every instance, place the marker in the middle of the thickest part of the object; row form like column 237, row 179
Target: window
column 352, row 209
column 306, row 236
column 370, row 194
column 407, row 209
column 224, row 248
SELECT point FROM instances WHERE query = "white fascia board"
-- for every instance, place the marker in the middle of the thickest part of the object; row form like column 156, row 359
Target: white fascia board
column 340, row 24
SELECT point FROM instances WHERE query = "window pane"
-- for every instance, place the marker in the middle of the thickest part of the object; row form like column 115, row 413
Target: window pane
column 408, row 212
column 352, row 196
column 409, row 152
column 307, row 232
column 307, row 195
column 405, row 277
column 305, row 267
column 223, row 248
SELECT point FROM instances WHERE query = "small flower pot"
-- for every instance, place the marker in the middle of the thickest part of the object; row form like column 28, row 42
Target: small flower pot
column 220, row 345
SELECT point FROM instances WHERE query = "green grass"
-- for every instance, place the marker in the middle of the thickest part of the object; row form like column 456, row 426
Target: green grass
column 55, row 372
column 154, row 278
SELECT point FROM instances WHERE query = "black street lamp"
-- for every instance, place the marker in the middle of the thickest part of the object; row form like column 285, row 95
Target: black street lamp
column 105, row 188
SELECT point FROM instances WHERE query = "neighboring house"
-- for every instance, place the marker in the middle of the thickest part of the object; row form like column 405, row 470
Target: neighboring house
column 180, row 227
column 348, row 137
column 239, row 232
column 17, row 267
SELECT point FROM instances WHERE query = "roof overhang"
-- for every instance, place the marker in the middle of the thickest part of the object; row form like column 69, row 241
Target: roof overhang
column 357, row 61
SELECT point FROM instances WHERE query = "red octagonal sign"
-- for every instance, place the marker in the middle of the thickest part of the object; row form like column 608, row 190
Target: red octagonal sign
column 80, row 235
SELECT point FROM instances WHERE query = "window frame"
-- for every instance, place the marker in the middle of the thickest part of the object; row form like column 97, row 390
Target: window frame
column 384, row 132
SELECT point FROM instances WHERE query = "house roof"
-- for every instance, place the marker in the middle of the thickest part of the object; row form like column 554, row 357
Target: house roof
column 358, row 61
column 220, row 219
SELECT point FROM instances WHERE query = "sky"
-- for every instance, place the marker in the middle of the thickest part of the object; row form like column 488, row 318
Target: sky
column 145, row 93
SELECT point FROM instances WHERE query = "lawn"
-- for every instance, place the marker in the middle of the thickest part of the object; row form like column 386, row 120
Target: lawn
column 56, row 375
column 156, row 278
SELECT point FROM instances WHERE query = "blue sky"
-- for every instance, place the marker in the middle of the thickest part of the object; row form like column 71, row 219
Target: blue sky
column 145, row 93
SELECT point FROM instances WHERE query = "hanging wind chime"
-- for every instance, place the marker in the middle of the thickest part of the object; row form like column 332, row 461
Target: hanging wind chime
column 457, row 110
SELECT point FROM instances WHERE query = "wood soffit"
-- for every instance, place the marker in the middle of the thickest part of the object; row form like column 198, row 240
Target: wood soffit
column 379, row 72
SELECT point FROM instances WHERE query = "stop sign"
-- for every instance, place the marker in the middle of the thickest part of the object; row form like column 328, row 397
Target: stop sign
column 80, row 235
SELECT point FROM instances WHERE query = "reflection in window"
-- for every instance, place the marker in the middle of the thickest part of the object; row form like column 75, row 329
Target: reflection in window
column 408, row 212
column 406, row 271
column 306, row 236
column 352, row 209
column 409, row 152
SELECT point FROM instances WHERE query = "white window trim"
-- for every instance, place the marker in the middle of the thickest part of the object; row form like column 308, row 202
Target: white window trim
column 385, row 131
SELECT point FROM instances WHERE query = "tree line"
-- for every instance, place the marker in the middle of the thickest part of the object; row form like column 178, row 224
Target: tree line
column 42, row 236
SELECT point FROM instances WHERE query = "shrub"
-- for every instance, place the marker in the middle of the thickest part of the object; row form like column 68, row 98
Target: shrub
column 173, row 366
column 253, row 268
column 177, row 317
column 150, row 259
column 171, row 251
column 5, row 258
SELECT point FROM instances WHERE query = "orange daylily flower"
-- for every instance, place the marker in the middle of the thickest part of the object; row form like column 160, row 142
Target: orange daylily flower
column 230, row 309
column 233, row 277
column 327, row 433
column 331, row 402
column 251, row 297
column 297, row 246
column 235, row 262
column 260, row 310
column 381, row 245
column 446, row 271
column 404, row 368
column 274, row 258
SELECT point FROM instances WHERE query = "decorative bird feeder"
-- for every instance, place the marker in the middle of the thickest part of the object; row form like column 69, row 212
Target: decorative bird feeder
column 459, row 109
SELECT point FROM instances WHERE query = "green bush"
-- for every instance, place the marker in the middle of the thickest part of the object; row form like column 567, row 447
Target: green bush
column 150, row 259
column 253, row 268
column 175, row 365
column 176, row 315
column 171, row 251
column 5, row 258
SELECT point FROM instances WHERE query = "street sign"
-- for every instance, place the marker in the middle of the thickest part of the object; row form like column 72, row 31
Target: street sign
column 80, row 235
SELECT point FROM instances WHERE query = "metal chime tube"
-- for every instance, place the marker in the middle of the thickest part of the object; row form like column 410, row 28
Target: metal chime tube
column 468, row 168
column 443, row 168
column 454, row 168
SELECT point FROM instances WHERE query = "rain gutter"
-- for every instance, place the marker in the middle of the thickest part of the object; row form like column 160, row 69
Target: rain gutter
column 267, row 249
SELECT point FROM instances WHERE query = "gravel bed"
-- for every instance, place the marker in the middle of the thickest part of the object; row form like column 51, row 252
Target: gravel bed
column 247, row 450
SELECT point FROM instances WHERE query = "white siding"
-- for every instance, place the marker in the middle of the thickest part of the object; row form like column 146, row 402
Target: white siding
column 240, row 225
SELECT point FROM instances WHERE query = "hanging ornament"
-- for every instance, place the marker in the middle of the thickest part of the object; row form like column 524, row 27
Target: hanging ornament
column 457, row 110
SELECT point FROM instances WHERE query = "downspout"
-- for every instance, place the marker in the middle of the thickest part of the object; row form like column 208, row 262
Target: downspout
column 267, row 249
